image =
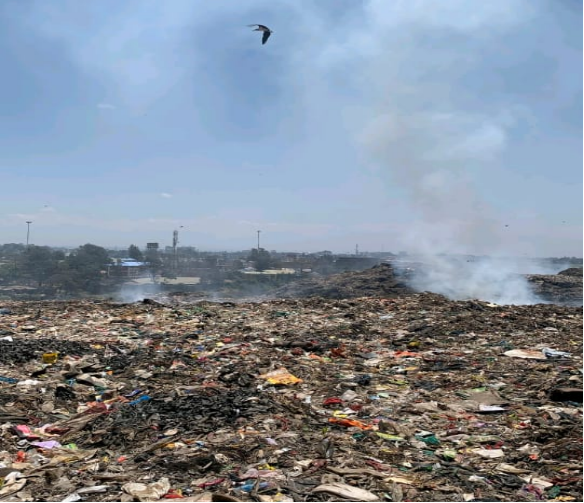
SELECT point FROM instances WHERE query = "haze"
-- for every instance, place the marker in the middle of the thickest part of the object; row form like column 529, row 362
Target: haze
column 427, row 126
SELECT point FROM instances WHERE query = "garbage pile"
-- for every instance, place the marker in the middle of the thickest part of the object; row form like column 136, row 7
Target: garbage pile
column 380, row 281
column 415, row 398
column 572, row 271
column 562, row 288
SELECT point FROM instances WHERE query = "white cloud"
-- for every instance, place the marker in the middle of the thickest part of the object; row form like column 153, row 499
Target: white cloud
column 106, row 106
column 165, row 195
column 22, row 216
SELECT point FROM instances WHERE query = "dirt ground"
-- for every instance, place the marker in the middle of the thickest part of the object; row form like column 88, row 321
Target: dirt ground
column 411, row 398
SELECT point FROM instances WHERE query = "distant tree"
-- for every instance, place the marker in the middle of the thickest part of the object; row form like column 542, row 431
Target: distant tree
column 237, row 265
column 11, row 249
column 154, row 262
column 84, row 267
column 261, row 258
column 67, row 280
column 135, row 253
column 37, row 263
column 9, row 273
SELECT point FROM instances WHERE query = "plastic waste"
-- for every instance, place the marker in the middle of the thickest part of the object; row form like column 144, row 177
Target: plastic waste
column 133, row 393
column 428, row 439
column 387, row 436
column 174, row 494
column 72, row 498
column 489, row 453
column 363, row 380
column 332, row 401
column 13, row 482
column 9, row 380
column 530, row 354
column 49, row 444
column 490, row 408
column 280, row 376
column 211, row 483
column 143, row 398
column 23, row 431
column 147, row 492
column 350, row 423
column 248, row 486
column 50, row 358
column 349, row 395
column 553, row 353
column 92, row 489
column 28, row 382
column 346, row 491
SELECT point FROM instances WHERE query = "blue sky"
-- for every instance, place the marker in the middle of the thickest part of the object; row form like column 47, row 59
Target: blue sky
column 416, row 125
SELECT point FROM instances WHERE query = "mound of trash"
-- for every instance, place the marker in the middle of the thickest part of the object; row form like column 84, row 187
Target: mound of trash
column 563, row 288
column 378, row 281
column 412, row 398
column 572, row 271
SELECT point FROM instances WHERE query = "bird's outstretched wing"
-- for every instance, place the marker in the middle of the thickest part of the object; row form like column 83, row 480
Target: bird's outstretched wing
column 265, row 37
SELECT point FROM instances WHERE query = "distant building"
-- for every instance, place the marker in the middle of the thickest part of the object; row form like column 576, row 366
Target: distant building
column 129, row 268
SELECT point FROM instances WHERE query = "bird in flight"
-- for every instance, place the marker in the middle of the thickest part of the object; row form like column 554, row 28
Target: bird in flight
column 265, row 29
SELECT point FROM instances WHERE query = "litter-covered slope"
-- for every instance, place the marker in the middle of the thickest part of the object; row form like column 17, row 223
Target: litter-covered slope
column 379, row 281
column 415, row 398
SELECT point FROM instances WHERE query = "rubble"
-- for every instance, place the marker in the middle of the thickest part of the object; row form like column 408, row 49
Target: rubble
column 397, row 398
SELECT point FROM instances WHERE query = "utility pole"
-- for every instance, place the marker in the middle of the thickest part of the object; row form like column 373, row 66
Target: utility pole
column 259, row 241
column 28, row 222
column 174, row 250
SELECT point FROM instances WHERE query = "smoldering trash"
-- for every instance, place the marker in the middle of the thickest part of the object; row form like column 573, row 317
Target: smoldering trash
column 409, row 398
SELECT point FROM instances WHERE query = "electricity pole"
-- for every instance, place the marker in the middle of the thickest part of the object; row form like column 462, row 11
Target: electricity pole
column 259, row 241
column 28, row 222
column 174, row 249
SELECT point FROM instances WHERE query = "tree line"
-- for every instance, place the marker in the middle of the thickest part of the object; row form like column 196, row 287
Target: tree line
column 91, row 268
column 81, row 270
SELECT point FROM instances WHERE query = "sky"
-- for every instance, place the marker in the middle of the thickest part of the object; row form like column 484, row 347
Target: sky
column 451, row 126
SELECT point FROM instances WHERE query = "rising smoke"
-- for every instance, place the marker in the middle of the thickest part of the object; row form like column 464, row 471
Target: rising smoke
column 493, row 280
column 425, row 138
column 135, row 293
column 428, row 155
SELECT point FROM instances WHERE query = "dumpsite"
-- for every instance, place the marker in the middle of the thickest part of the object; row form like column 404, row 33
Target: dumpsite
column 350, row 388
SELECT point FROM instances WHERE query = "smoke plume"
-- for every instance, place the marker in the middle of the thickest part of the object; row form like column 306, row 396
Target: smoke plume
column 135, row 293
column 424, row 137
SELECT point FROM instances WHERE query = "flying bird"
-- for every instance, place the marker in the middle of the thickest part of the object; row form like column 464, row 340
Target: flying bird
column 265, row 29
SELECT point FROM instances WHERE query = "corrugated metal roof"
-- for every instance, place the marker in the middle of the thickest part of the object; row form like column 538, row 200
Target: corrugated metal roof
column 132, row 263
